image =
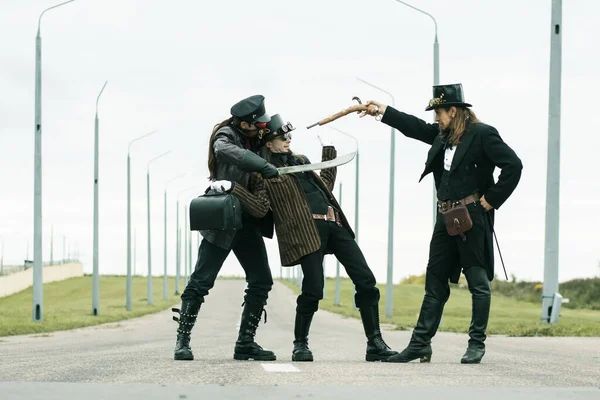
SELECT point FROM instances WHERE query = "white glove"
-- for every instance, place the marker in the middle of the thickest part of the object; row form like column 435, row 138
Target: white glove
column 324, row 139
column 221, row 186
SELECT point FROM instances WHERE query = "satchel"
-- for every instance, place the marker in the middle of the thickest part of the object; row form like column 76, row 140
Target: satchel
column 458, row 221
column 215, row 211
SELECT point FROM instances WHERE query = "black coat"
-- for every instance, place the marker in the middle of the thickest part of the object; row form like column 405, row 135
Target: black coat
column 479, row 152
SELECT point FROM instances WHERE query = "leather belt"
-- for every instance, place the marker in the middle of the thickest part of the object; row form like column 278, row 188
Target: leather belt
column 444, row 206
column 331, row 215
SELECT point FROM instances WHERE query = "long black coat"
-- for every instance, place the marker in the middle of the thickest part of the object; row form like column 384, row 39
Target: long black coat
column 480, row 151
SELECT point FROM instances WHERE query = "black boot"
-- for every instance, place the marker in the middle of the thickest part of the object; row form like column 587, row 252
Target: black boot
column 301, row 351
column 377, row 349
column 479, row 286
column 187, row 319
column 245, row 347
column 419, row 346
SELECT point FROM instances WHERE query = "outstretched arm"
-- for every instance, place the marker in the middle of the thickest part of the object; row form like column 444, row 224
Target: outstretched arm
column 409, row 125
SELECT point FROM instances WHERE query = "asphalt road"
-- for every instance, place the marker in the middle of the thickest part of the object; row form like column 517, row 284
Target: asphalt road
column 134, row 359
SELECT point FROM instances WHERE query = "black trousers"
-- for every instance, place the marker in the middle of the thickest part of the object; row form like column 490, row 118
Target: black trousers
column 448, row 255
column 335, row 239
column 249, row 248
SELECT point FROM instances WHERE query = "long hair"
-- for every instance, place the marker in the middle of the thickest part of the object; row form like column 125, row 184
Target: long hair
column 461, row 121
column 211, row 151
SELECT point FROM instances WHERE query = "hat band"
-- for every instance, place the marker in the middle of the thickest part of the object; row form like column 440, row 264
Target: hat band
column 437, row 100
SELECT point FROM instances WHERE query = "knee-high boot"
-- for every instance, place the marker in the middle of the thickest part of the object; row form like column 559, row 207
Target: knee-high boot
column 419, row 346
column 479, row 286
column 187, row 319
column 245, row 347
column 377, row 349
column 301, row 351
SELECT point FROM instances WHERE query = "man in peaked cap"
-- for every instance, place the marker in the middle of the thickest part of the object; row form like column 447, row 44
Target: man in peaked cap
column 231, row 160
column 463, row 155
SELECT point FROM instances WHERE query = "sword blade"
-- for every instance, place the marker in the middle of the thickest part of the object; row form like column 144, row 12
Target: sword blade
column 341, row 160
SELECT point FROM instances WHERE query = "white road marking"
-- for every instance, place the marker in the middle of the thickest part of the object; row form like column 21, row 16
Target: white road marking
column 280, row 368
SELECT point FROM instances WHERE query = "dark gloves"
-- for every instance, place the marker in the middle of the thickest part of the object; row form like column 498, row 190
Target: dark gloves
column 251, row 162
column 269, row 171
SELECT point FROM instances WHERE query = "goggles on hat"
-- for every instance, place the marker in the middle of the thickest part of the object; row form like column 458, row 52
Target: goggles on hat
column 286, row 128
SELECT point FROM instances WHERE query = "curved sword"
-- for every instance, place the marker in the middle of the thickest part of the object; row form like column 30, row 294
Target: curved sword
column 341, row 160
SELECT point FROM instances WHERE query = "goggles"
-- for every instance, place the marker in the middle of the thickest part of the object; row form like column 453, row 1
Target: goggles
column 285, row 136
column 286, row 128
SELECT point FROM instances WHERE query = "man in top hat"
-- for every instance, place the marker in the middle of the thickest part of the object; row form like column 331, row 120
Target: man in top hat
column 463, row 155
column 231, row 159
column 310, row 223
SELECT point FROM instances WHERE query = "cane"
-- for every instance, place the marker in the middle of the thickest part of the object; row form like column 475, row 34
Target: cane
column 497, row 245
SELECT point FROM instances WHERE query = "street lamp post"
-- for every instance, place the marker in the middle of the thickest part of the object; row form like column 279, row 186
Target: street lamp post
column 551, row 244
column 436, row 81
column 38, row 288
column 129, row 278
column 149, row 227
column 52, row 245
column 95, row 277
column 389, row 304
column 165, row 278
column 179, row 234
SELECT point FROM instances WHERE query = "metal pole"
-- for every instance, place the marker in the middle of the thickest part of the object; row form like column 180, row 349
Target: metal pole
column 165, row 276
column 389, row 289
column 185, row 246
column 64, row 254
column 38, row 289
column 551, row 245
column 134, row 251
column 177, row 251
column 165, row 283
column 149, row 294
column 128, row 284
column 336, row 300
column 129, row 278
column 2, row 259
column 52, row 245
column 95, row 277
column 436, row 80
column 356, row 208
column 189, row 250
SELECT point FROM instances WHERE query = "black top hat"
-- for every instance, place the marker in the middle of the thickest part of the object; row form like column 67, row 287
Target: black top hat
column 277, row 127
column 447, row 96
column 251, row 109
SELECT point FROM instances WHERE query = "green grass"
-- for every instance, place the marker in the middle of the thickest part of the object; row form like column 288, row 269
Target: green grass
column 507, row 316
column 68, row 304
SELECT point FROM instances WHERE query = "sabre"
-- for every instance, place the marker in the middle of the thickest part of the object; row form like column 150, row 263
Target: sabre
column 355, row 108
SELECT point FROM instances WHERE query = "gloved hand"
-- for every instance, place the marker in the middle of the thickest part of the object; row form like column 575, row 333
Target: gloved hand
column 269, row 171
column 324, row 139
column 221, row 186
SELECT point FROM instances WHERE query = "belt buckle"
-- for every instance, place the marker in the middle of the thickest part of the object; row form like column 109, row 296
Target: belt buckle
column 330, row 214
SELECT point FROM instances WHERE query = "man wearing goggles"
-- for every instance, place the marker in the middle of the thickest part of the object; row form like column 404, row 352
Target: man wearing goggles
column 310, row 223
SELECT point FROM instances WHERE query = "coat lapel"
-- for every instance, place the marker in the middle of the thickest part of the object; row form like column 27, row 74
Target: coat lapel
column 462, row 148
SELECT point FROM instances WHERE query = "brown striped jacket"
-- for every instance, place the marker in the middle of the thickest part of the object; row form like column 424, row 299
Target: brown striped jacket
column 297, row 233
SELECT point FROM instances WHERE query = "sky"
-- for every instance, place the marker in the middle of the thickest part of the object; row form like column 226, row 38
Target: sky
column 177, row 67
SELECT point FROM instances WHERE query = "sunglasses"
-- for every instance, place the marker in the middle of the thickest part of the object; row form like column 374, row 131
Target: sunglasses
column 285, row 136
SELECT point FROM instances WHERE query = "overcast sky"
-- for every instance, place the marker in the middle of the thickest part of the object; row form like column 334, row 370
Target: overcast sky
column 178, row 66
